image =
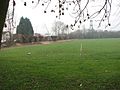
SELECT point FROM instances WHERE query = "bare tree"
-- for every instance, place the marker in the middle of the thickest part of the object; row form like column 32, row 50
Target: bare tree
column 80, row 12
column 10, row 23
column 59, row 28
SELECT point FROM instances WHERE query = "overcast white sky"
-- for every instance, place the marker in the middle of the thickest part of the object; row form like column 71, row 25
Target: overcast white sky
column 40, row 20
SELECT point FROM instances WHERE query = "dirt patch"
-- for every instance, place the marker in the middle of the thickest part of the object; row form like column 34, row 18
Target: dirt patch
column 42, row 42
column 46, row 42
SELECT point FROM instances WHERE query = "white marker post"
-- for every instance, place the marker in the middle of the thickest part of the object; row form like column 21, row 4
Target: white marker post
column 81, row 49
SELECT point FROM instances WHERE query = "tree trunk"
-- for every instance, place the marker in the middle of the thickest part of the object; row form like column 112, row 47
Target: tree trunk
column 3, row 11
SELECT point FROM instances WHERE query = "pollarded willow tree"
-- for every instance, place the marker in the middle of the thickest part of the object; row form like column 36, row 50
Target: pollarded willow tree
column 79, row 10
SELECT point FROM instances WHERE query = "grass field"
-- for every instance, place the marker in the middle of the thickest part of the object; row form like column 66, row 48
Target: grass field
column 59, row 66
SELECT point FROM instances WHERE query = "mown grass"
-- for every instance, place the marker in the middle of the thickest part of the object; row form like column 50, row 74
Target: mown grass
column 59, row 66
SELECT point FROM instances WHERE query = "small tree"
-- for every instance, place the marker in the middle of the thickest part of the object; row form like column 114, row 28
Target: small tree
column 25, row 30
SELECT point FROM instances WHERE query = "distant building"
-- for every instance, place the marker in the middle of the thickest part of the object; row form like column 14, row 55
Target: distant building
column 37, row 37
column 91, row 25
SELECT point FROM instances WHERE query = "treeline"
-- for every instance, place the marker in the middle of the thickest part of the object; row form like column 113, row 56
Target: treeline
column 92, row 34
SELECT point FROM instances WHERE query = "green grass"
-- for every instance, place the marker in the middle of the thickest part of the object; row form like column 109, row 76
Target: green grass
column 59, row 66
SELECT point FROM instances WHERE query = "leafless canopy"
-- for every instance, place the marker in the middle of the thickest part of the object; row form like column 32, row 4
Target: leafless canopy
column 79, row 12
